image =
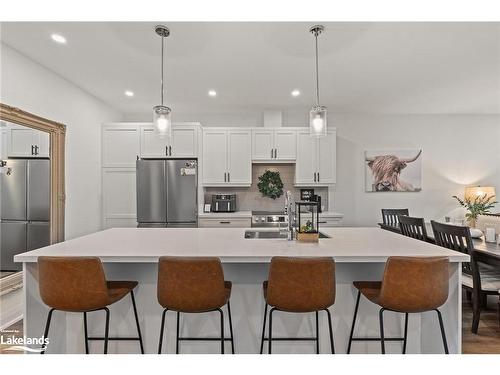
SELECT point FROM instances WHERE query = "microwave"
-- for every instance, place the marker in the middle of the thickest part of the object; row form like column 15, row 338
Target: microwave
column 223, row 203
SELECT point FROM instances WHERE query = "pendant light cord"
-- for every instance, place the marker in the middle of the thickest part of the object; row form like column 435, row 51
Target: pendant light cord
column 317, row 70
column 162, row 90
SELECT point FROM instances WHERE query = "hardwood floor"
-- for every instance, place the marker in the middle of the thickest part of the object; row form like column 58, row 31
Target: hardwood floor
column 487, row 341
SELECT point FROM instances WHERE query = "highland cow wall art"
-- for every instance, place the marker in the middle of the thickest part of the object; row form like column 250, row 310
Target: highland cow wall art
column 393, row 170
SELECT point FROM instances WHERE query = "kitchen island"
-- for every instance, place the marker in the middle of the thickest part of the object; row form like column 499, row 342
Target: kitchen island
column 132, row 254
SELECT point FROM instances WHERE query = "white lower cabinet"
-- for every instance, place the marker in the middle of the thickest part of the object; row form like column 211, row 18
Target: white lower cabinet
column 221, row 222
column 119, row 197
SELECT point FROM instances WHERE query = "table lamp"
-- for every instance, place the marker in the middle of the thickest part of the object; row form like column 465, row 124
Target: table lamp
column 472, row 192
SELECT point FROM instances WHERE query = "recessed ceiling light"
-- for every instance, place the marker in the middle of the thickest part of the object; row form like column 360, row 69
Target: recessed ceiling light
column 295, row 92
column 212, row 93
column 129, row 93
column 58, row 38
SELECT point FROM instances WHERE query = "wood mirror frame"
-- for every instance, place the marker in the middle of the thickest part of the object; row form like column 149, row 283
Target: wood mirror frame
column 57, row 134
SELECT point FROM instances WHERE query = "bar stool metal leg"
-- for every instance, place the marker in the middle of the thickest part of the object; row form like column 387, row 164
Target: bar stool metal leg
column 317, row 332
column 264, row 330
column 405, row 333
column 86, row 333
column 106, row 333
column 353, row 322
column 162, row 327
column 177, row 334
column 443, row 334
column 221, row 331
column 382, row 341
column 330, row 327
column 46, row 332
column 230, row 325
column 137, row 321
column 270, row 339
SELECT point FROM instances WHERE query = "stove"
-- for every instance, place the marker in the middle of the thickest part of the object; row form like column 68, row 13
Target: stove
column 268, row 219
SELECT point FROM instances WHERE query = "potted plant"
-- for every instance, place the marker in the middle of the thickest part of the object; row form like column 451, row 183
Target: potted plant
column 481, row 204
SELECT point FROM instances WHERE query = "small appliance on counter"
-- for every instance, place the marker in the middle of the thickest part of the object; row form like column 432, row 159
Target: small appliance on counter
column 224, row 203
column 307, row 195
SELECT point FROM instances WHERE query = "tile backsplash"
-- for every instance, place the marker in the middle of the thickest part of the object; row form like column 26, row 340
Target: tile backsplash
column 249, row 198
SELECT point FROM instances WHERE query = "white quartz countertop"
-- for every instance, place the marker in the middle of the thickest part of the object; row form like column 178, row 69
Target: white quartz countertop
column 145, row 245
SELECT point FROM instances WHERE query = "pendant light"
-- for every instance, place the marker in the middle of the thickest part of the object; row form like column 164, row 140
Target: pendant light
column 162, row 121
column 317, row 115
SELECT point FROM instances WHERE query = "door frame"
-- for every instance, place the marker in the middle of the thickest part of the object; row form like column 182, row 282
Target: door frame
column 57, row 133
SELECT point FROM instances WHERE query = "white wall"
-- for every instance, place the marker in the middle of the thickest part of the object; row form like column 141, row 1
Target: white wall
column 33, row 88
column 458, row 150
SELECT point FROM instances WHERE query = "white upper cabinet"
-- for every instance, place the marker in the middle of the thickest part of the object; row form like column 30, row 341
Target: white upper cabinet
column 120, row 145
column 285, row 144
column 239, row 161
column 26, row 142
column 227, row 157
column 316, row 159
column 274, row 145
column 184, row 142
column 214, row 157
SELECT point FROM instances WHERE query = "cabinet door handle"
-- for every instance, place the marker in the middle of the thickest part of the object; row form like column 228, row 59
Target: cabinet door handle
column 32, row 148
column 314, row 176
column 166, row 150
column 36, row 150
column 225, row 177
column 228, row 177
column 224, row 222
column 271, row 153
column 170, row 150
column 318, row 176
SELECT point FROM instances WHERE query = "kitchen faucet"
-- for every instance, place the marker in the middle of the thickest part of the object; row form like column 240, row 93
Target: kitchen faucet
column 288, row 211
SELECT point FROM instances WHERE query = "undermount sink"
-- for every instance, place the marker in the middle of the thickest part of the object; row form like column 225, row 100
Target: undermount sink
column 266, row 234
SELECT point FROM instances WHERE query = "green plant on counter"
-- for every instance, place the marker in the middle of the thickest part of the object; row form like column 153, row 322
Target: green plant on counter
column 480, row 205
column 270, row 184
column 307, row 228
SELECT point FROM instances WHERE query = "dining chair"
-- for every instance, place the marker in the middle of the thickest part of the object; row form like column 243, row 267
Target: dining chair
column 413, row 227
column 390, row 215
column 479, row 279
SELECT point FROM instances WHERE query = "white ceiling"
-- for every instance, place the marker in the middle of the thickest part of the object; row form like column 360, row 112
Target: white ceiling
column 364, row 67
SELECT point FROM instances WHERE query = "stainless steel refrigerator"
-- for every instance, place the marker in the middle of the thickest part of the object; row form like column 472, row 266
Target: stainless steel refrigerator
column 25, row 209
column 167, row 193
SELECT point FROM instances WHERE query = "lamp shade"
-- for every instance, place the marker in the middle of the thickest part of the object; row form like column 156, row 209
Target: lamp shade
column 317, row 121
column 162, row 121
column 472, row 192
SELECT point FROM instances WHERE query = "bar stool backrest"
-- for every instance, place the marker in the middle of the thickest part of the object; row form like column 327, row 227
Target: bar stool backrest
column 301, row 284
column 458, row 238
column 413, row 227
column 72, row 283
column 390, row 215
column 414, row 284
column 191, row 284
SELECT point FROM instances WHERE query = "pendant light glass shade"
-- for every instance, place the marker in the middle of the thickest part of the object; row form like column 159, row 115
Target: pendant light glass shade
column 317, row 121
column 317, row 115
column 162, row 121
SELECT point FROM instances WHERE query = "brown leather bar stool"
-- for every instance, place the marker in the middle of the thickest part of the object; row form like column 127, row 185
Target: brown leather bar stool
column 193, row 285
column 299, row 285
column 78, row 284
column 409, row 285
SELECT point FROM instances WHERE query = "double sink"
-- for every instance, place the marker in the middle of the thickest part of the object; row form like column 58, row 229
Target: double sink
column 267, row 234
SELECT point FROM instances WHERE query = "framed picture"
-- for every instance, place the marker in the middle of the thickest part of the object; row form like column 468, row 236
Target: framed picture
column 393, row 170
